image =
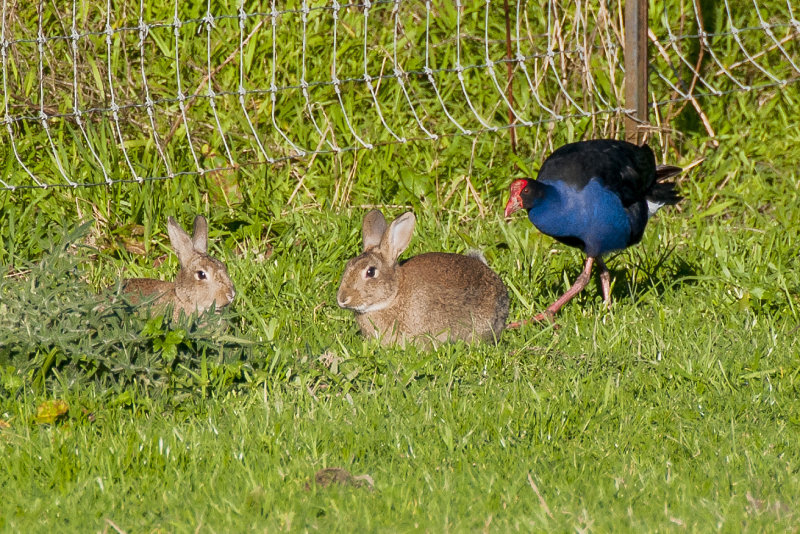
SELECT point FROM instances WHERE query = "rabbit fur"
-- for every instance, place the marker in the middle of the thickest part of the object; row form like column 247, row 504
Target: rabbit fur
column 430, row 298
column 202, row 281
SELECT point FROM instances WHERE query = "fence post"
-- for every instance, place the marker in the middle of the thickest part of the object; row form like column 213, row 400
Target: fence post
column 635, row 69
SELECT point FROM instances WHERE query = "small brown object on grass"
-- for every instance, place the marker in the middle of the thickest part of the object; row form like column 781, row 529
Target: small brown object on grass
column 336, row 475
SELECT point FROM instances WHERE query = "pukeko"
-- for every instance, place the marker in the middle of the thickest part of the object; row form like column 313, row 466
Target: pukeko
column 595, row 195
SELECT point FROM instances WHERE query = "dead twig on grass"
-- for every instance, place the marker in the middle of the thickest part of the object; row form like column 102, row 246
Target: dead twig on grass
column 538, row 494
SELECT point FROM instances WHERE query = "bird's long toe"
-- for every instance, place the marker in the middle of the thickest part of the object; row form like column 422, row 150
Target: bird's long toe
column 605, row 282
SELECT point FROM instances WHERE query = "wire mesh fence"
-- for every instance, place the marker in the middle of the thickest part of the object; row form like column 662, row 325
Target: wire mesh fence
column 128, row 91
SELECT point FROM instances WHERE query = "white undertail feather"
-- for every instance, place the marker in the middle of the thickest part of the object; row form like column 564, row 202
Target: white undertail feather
column 653, row 207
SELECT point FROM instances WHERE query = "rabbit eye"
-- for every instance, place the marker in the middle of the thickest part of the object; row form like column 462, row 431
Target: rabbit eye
column 370, row 272
column 201, row 275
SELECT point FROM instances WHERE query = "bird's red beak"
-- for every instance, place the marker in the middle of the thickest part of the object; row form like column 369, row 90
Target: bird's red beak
column 514, row 200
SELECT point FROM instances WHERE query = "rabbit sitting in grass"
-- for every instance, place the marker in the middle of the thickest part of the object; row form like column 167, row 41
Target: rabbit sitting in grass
column 202, row 280
column 433, row 297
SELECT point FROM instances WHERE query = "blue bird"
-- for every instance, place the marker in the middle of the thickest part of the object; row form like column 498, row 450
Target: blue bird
column 597, row 196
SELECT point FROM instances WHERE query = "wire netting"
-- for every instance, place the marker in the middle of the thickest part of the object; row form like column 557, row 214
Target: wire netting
column 130, row 91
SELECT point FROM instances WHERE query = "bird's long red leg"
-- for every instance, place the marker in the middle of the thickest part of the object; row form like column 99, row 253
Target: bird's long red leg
column 576, row 288
column 605, row 281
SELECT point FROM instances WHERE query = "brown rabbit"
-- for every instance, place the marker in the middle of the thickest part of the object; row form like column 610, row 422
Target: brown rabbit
column 431, row 297
column 201, row 282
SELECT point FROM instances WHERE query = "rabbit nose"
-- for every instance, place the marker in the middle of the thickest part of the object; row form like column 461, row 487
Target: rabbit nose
column 231, row 295
column 343, row 301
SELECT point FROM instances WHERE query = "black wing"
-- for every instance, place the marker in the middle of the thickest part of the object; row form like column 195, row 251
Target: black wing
column 627, row 169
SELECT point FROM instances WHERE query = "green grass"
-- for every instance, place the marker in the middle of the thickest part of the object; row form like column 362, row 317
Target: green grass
column 674, row 410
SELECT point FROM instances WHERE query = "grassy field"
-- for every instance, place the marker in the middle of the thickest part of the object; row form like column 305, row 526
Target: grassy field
column 677, row 409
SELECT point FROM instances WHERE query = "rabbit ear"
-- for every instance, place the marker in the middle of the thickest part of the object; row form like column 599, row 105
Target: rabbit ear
column 373, row 229
column 180, row 240
column 200, row 235
column 398, row 236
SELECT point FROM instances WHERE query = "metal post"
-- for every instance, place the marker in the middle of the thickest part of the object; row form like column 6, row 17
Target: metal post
column 635, row 69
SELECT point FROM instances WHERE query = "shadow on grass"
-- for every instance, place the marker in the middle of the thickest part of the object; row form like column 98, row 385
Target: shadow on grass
column 641, row 274
column 654, row 275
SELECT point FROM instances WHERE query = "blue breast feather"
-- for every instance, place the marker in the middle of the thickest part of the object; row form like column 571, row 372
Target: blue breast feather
column 595, row 215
